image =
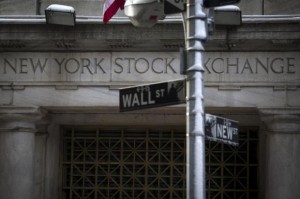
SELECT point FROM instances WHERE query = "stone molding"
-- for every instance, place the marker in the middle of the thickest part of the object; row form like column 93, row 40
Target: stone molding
column 281, row 120
column 258, row 33
column 20, row 119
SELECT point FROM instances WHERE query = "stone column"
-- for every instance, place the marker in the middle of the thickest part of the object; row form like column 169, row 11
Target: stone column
column 17, row 144
column 282, row 153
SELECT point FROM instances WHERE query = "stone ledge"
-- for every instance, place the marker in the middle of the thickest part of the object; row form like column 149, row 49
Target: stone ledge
column 281, row 120
column 20, row 117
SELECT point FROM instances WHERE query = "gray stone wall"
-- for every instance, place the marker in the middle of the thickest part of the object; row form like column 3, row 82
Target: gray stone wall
column 237, row 79
column 17, row 7
column 251, row 7
column 87, row 8
column 280, row 7
column 95, row 7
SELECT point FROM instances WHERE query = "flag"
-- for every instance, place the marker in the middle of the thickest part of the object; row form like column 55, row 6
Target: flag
column 110, row 8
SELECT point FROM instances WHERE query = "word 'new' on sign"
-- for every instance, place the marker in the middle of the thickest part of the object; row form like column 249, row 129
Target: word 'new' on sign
column 152, row 95
column 221, row 130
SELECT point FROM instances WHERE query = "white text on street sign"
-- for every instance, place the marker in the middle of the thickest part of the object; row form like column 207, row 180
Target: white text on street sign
column 221, row 129
column 152, row 95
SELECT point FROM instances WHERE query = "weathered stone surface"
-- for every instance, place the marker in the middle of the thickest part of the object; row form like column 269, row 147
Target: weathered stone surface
column 17, row 145
column 282, row 152
column 279, row 7
column 251, row 7
column 17, row 7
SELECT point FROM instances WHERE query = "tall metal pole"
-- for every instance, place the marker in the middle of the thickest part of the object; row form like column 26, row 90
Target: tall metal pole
column 196, row 34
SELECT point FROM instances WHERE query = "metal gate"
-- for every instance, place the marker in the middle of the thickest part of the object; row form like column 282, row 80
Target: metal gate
column 231, row 172
column 145, row 163
column 123, row 164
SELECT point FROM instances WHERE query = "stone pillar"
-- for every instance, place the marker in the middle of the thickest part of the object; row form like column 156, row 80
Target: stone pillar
column 282, row 153
column 41, row 137
column 17, row 145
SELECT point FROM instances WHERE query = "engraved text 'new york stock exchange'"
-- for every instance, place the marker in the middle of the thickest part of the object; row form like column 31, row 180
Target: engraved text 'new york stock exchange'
column 141, row 65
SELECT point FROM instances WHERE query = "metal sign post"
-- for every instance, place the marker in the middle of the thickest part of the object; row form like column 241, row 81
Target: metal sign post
column 195, row 25
column 195, row 36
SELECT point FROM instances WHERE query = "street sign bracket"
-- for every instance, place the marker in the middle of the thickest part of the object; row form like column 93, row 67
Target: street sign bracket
column 174, row 6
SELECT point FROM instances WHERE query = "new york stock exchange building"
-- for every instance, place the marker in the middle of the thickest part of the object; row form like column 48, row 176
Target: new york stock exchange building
column 62, row 135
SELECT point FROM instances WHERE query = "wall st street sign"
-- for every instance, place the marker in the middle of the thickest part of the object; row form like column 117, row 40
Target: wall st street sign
column 152, row 95
column 221, row 130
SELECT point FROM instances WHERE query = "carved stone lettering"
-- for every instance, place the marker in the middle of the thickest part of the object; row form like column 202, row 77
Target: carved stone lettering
column 81, row 65
column 142, row 65
column 23, row 65
column 147, row 67
column 266, row 65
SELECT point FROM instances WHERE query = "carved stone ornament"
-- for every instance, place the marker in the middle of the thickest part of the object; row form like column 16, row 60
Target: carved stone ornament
column 19, row 119
column 281, row 120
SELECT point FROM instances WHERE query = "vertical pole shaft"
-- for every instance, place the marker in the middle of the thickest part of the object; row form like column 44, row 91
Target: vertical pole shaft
column 196, row 34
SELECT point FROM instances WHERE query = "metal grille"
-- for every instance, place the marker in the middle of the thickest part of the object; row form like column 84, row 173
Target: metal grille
column 151, row 164
column 231, row 172
column 119, row 164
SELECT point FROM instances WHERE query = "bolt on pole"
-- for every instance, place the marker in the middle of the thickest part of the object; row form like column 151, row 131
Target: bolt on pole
column 196, row 34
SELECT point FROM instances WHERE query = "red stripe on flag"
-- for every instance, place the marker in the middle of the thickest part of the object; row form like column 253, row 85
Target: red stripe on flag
column 112, row 10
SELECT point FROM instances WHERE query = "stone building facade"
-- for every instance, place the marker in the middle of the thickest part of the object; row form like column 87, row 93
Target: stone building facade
column 61, row 132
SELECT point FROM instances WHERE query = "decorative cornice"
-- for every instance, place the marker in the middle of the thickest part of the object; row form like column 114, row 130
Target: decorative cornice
column 119, row 43
column 14, row 44
column 280, row 111
column 40, row 19
column 263, row 33
column 14, row 119
column 281, row 120
column 66, row 44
